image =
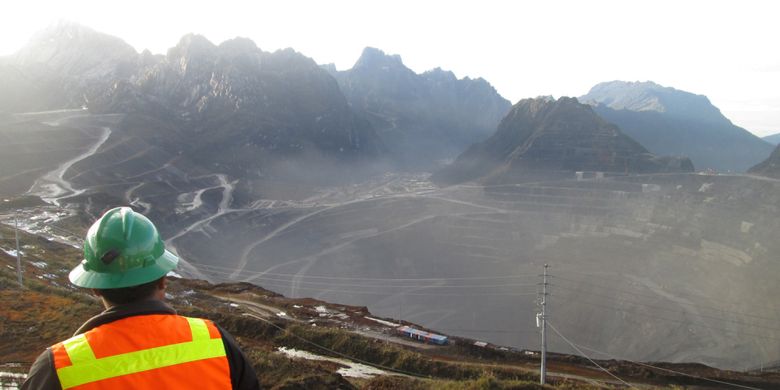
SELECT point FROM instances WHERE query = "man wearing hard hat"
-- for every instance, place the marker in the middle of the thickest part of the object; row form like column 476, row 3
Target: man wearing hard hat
column 138, row 342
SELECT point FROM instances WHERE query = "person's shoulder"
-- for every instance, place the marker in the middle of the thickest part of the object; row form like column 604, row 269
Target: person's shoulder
column 42, row 374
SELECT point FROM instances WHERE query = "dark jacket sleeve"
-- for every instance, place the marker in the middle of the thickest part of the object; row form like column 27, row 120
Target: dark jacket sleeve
column 42, row 375
column 242, row 375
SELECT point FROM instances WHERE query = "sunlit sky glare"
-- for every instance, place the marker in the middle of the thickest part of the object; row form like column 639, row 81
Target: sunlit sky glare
column 727, row 50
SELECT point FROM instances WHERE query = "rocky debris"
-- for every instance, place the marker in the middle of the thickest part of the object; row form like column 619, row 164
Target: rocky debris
column 672, row 122
column 543, row 137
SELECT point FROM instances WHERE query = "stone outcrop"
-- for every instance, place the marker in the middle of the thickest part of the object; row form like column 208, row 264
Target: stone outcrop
column 544, row 137
column 232, row 104
column 668, row 121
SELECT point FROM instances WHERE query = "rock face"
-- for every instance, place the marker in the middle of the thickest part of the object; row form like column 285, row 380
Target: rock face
column 232, row 105
column 673, row 122
column 61, row 66
column 544, row 137
column 237, row 104
column 421, row 117
column 769, row 167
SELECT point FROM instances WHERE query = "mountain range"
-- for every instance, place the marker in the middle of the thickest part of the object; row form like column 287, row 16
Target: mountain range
column 773, row 139
column 668, row 121
column 233, row 104
column 421, row 117
column 544, row 137
column 250, row 111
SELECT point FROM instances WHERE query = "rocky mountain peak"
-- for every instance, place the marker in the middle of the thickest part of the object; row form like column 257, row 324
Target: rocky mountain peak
column 238, row 45
column 422, row 118
column 673, row 122
column 543, row 108
column 192, row 45
column 649, row 96
column 330, row 68
column 544, row 136
column 375, row 59
column 70, row 48
column 440, row 74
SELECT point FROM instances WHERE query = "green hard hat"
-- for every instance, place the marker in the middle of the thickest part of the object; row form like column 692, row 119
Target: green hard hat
column 122, row 249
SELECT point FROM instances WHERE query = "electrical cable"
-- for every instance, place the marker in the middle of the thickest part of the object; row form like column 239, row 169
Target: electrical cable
column 678, row 321
column 669, row 309
column 198, row 265
column 586, row 356
column 509, row 331
column 339, row 284
column 325, row 291
column 645, row 295
column 666, row 369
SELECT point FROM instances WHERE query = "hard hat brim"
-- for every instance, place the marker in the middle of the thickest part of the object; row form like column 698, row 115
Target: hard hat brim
column 82, row 277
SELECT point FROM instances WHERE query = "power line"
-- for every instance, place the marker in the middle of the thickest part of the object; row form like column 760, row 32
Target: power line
column 656, row 296
column 385, row 293
column 586, row 356
column 617, row 276
column 339, row 284
column 248, row 272
column 678, row 321
column 669, row 309
column 668, row 370
column 508, row 331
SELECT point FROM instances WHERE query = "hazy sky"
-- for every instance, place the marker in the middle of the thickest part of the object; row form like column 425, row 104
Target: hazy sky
column 727, row 50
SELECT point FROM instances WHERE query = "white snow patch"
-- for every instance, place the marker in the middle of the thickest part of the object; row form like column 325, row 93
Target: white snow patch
column 174, row 274
column 383, row 322
column 352, row 369
column 321, row 309
column 11, row 252
column 234, row 305
column 281, row 314
column 8, row 379
column 39, row 264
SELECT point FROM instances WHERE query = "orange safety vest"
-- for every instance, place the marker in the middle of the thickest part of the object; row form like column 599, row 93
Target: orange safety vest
column 163, row 351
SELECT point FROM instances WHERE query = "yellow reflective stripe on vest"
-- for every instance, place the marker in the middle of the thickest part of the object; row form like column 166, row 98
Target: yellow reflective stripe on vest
column 78, row 349
column 200, row 331
column 88, row 371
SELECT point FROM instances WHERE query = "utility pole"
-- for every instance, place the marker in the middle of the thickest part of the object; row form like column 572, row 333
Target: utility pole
column 543, row 370
column 18, row 254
